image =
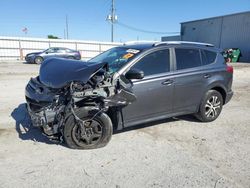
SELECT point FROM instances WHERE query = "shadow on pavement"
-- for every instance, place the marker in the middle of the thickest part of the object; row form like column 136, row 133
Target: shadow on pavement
column 24, row 127
column 28, row 63
column 144, row 125
column 27, row 132
column 189, row 118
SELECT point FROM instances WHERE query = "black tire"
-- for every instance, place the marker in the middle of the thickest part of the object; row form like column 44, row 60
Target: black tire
column 38, row 60
column 101, row 126
column 210, row 107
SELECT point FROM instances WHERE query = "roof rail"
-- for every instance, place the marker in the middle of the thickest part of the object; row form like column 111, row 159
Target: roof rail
column 139, row 42
column 182, row 42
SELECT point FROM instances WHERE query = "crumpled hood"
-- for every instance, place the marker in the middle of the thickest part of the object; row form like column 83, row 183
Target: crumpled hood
column 57, row 73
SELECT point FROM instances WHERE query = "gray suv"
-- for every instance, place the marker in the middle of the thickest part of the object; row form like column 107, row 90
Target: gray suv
column 179, row 78
column 83, row 102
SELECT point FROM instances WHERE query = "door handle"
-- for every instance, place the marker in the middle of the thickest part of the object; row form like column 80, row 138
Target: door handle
column 167, row 82
column 207, row 76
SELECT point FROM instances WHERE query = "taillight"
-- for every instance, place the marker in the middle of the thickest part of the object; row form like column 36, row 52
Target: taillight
column 230, row 69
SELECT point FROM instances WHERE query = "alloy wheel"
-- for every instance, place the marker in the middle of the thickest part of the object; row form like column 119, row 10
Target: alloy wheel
column 38, row 60
column 213, row 107
column 86, row 133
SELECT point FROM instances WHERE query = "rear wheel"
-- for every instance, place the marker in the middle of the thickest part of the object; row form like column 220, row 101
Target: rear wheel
column 38, row 60
column 210, row 107
column 90, row 134
column 71, row 57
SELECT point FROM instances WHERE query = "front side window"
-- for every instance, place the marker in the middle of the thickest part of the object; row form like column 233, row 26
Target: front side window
column 155, row 63
column 51, row 50
column 187, row 58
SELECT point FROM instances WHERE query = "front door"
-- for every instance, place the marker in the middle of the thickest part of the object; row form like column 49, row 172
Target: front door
column 154, row 92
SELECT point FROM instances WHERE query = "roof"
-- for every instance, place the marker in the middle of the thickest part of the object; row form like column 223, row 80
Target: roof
column 183, row 42
column 234, row 14
column 142, row 45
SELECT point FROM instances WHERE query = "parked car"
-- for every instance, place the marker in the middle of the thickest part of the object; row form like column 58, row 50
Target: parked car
column 39, row 57
column 82, row 103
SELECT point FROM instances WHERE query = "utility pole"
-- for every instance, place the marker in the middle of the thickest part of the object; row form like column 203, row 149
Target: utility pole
column 112, row 18
column 112, row 22
column 67, row 27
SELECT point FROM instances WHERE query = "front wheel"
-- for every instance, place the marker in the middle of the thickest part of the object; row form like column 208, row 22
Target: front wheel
column 91, row 134
column 38, row 60
column 210, row 107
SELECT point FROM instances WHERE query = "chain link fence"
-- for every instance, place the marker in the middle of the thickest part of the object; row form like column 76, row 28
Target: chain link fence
column 15, row 48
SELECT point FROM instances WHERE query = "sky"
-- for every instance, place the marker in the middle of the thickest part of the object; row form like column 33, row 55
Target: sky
column 87, row 18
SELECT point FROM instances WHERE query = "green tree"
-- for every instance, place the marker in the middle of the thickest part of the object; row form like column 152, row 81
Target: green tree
column 52, row 37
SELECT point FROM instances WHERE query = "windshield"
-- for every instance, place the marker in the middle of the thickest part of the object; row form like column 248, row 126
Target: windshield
column 116, row 57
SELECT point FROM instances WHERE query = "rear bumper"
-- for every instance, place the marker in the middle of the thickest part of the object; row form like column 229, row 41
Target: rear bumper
column 229, row 96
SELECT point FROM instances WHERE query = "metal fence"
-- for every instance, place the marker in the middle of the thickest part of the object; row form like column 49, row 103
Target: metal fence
column 15, row 48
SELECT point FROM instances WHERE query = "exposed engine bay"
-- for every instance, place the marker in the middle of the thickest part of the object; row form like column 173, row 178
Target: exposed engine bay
column 50, row 103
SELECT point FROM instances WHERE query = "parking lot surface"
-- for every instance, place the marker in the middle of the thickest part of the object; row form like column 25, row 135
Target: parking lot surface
column 177, row 152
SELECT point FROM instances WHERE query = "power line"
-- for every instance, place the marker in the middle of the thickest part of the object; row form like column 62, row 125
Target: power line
column 144, row 31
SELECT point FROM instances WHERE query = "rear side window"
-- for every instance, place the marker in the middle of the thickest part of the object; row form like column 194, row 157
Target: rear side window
column 155, row 63
column 69, row 50
column 187, row 58
column 208, row 57
column 61, row 50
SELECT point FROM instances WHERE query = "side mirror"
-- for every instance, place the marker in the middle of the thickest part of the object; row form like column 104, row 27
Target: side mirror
column 134, row 74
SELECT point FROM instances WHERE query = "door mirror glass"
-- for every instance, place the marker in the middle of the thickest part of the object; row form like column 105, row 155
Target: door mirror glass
column 134, row 74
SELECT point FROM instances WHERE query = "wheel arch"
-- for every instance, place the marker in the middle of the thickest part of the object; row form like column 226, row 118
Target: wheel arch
column 220, row 88
column 86, row 110
column 113, row 113
column 116, row 117
column 71, row 57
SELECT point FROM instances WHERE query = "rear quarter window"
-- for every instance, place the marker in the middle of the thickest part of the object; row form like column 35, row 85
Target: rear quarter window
column 69, row 50
column 208, row 57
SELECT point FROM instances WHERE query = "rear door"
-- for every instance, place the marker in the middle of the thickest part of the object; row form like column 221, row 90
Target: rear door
column 154, row 92
column 190, row 79
column 63, row 52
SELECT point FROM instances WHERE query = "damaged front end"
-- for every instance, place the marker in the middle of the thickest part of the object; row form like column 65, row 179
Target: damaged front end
column 65, row 87
column 45, row 105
